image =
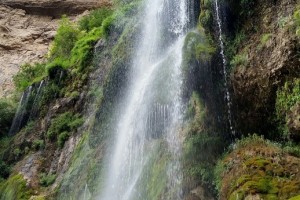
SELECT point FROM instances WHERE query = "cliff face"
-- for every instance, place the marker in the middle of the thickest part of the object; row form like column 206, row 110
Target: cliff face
column 27, row 29
column 267, row 56
column 24, row 39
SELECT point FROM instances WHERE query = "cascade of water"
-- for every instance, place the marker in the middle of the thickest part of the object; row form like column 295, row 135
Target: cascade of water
column 21, row 111
column 153, row 105
column 224, row 62
column 35, row 106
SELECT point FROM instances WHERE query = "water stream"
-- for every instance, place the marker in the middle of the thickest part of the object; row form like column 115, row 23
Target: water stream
column 153, row 103
column 224, row 62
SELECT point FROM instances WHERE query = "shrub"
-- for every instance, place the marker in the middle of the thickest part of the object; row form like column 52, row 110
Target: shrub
column 94, row 19
column 82, row 52
column 239, row 60
column 7, row 112
column 47, row 180
column 4, row 170
column 65, row 39
column 63, row 125
column 297, row 21
column 38, row 144
column 28, row 75
column 287, row 97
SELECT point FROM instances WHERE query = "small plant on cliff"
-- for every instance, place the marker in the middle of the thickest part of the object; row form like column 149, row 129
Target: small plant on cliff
column 28, row 75
column 47, row 179
column 297, row 21
column 7, row 112
column 63, row 125
column 65, row 39
column 94, row 19
column 239, row 60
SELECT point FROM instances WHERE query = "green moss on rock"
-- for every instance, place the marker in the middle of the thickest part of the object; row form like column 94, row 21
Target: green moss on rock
column 15, row 188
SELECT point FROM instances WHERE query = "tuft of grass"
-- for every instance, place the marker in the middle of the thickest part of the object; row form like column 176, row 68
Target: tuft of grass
column 239, row 60
column 47, row 179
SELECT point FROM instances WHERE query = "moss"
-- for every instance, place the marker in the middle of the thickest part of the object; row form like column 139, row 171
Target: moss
column 257, row 167
column 15, row 188
column 295, row 198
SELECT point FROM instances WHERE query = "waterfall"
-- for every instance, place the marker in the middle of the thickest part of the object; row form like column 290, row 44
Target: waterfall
column 35, row 106
column 21, row 111
column 224, row 62
column 152, row 108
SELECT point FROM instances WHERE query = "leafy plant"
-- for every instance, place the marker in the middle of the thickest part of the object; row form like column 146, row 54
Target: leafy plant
column 94, row 19
column 38, row 144
column 28, row 75
column 47, row 179
column 63, row 125
column 65, row 39
column 7, row 112
column 265, row 38
column 4, row 170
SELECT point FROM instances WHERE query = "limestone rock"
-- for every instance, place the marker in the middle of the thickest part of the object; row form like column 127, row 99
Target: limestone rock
column 54, row 8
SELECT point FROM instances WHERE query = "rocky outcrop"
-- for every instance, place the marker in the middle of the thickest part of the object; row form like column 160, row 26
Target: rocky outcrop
column 271, row 54
column 54, row 8
column 24, row 39
column 27, row 29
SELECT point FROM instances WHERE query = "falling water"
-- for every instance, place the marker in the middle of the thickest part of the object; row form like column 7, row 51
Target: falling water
column 153, row 105
column 21, row 111
column 35, row 106
column 227, row 94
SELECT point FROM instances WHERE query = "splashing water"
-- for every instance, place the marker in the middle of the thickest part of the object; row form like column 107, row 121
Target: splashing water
column 153, row 104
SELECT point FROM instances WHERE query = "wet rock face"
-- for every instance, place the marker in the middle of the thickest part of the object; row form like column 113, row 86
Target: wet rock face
column 268, row 65
column 54, row 8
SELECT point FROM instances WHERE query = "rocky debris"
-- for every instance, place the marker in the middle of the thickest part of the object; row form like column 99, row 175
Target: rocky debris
column 55, row 8
column 268, row 65
column 293, row 121
column 23, row 39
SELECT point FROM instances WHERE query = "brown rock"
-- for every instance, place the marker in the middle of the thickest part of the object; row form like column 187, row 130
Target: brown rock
column 293, row 121
column 55, row 8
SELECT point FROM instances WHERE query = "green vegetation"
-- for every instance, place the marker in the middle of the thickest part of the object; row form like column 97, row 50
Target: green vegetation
column 287, row 97
column 297, row 21
column 7, row 113
column 38, row 144
column 63, row 125
column 4, row 170
column 47, row 179
column 65, row 39
column 259, row 167
column 15, row 188
column 28, row 75
column 200, row 138
column 197, row 47
column 239, row 60
column 94, row 19
column 265, row 38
